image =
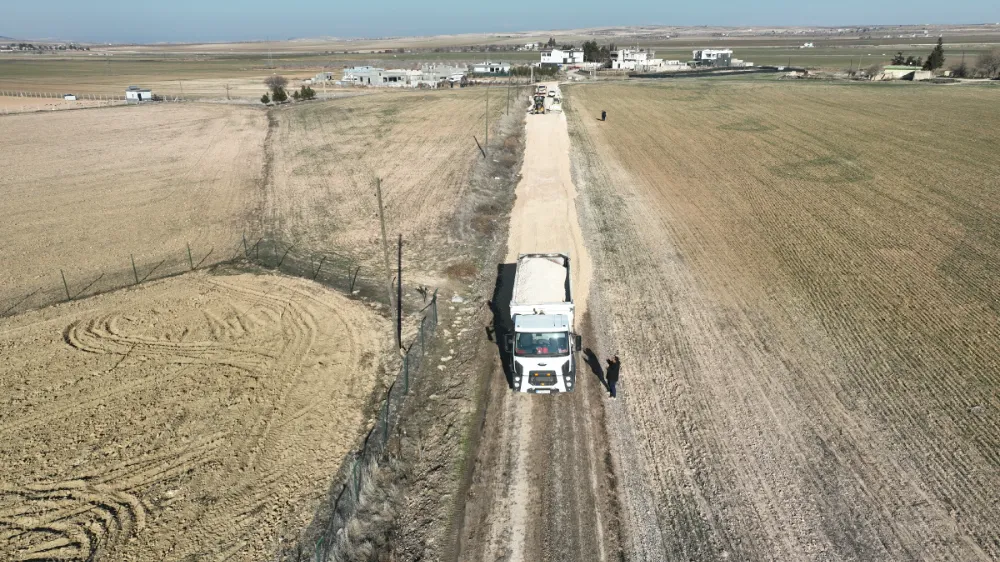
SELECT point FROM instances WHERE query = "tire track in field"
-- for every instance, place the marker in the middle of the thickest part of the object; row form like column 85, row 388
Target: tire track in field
column 264, row 460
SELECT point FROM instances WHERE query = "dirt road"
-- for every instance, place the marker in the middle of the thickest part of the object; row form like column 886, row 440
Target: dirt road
column 540, row 492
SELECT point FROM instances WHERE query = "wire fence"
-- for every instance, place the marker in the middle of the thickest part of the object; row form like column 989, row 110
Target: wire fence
column 70, row 283
column 338, row 271
column 332, row 269
column 56, row 95
column 359, row 477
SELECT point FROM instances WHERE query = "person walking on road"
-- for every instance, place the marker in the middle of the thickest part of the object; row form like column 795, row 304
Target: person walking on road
column 614, row 365
column 604, row 115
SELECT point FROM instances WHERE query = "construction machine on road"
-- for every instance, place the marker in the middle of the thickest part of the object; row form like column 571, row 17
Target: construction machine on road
column 538, row 105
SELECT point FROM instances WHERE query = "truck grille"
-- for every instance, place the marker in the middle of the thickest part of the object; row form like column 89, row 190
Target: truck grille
column 542, row 378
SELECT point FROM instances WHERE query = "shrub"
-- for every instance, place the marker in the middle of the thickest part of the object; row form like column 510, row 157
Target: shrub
column 461, row 270
column 989, row 63
column 265, row 99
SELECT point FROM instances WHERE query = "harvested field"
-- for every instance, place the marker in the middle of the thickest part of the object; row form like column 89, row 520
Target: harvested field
column 801, row 280
column 326, row 156
column 15, row 104
column 82, row 190
column 198, row 417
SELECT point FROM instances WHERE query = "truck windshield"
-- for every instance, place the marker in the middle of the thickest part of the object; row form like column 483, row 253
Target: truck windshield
column 541, row 344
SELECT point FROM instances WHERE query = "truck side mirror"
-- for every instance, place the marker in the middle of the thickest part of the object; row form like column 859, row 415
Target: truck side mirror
column 508, row 343
column 579, row 342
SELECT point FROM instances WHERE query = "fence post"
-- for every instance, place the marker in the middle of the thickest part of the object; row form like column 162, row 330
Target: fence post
column 406, row 373
column 190, row 259
column 353, row 279
column 434, row 302
column 385, row 420
column 319, row 267
column 422, row 346
column 65, row 285
column 354, row 478
column 246, row 251
column 135, row 272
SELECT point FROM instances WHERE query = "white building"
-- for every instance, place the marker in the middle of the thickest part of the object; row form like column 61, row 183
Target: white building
column 719, row 58
column 559, row 56
column 372, row 76
column 711, row 57
column 641, row 60
column 628, row 59
column 440, row 72
column 135, row 93
column 490, row 68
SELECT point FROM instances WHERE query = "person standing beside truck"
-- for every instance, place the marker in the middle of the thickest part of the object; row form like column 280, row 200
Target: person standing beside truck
column 614, row 365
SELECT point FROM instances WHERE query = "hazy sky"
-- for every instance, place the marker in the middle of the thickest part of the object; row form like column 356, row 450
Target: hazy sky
column 214, row 20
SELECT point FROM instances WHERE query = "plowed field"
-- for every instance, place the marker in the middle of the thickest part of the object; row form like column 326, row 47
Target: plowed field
column 801, row 281
column 199, row 417
column 82, row 191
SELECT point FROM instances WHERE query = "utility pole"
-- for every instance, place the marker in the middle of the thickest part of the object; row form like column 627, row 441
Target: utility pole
column 399, row 291
column 227, row 92
column 508, row 94
column 385, row 246
column 487, row 141
column 181, row 84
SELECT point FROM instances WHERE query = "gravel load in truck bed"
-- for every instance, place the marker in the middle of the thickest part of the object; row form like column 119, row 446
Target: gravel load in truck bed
column 540, row 280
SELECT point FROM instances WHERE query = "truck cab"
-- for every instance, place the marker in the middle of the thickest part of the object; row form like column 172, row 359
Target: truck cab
column 544, row 349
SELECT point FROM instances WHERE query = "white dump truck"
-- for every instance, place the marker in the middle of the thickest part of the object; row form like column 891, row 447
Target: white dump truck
column 543, row 345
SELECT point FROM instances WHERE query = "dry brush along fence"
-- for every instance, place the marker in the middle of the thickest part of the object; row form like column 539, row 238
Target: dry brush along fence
column 327, row 535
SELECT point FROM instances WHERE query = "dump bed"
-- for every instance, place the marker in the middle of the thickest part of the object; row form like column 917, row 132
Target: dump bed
column 541, row 279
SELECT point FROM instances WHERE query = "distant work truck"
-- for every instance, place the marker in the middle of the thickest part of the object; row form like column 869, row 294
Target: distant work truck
column 543, row 345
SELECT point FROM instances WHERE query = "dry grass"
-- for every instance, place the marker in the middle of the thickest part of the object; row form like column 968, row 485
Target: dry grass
column 463, row 270
column 84, row 190
column 327, row 155
column 801, row 282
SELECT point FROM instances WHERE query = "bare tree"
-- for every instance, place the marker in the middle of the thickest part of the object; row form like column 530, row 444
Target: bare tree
column 276, row 81
column 989, row 63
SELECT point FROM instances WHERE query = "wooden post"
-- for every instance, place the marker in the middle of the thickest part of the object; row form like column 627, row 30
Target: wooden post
column 246, row 250
column 190, row 259
column 65, row 285
column 487, row 141
column 319, row 267
column 135, row 271
column 399, row 292
column 353, row 279
column 385, row 244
